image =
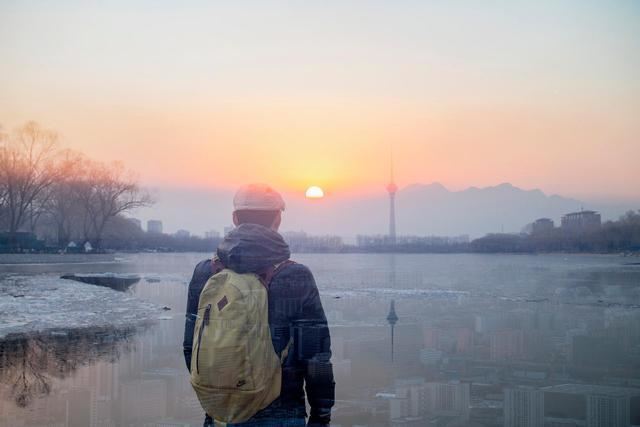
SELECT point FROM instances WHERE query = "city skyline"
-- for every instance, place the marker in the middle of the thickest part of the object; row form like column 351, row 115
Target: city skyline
column 349, row 216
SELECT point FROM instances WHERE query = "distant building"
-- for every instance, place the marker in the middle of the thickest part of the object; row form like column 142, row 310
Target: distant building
column 430, row 356
column 591, row 405
column 212, row 234
column 409, row 401
column 418, row 403
column 571, row 405
column 611, row 410
column 154, row 226
column 581, row 221
column 523, row 407
column 372, row 241
column 507, row 344
column 183, row 234
column 448, row 398
column 597, row 350
column 542, row 226
column 299, row 241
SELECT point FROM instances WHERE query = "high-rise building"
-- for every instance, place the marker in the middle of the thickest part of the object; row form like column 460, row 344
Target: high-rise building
column 611, row 410
column 183, row 234
column 448, row 398
column 542, row 226
column 591, row 405
column 409, row 399
column 581, row 221
column 523, row 407
column 154, row 226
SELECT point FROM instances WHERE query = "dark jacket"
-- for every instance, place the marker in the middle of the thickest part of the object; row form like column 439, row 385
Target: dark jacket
column 295, row 311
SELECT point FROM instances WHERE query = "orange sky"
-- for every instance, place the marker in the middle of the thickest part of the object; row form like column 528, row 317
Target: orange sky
column 543, row 96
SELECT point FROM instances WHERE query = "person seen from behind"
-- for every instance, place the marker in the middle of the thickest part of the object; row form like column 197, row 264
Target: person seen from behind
column 256, row 336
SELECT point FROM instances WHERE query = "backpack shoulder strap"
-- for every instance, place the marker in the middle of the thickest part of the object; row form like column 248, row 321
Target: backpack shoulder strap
column 265, row 277
column 216, row 265
column 272, row 272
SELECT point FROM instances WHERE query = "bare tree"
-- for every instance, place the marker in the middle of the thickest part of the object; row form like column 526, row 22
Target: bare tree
column 27, row 170
column 108, row 190
column 62, row 204
column 78, row 196
column 3, row 184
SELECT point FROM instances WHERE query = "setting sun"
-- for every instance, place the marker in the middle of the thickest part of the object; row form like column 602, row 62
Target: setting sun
column 314, row 193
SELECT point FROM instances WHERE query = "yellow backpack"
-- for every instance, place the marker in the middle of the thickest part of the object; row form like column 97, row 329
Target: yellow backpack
column 235, row 370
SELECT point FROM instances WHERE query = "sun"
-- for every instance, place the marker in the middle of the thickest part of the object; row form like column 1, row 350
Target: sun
column 314, row 192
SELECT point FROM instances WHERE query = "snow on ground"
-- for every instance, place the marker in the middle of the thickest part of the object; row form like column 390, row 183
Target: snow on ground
column 40, row 302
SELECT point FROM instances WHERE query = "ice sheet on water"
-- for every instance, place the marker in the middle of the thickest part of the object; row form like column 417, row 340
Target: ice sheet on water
column 36, row 303
column 407, row 293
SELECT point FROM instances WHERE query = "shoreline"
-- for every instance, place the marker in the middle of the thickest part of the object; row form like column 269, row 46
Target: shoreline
column 39, row 259
column 12, row 259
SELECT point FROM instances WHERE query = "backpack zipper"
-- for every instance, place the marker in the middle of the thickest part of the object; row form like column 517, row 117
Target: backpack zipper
column 205, row 321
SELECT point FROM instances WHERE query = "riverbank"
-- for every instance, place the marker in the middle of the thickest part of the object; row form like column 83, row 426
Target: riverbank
column 9, row 259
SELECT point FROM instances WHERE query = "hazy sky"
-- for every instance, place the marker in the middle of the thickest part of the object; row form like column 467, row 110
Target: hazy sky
column 543, row 94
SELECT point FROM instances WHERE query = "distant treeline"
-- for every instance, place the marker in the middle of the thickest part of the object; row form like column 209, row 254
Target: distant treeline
column 409, row 248
column 622, row 235
column 124, row 235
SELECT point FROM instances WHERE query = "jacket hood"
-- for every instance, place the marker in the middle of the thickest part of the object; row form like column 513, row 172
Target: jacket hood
column 251, row 248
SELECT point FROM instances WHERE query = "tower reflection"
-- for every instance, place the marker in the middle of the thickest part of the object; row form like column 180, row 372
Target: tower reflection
column 392, row 318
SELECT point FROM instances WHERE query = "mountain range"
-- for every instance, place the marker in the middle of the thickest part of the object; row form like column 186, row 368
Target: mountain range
column 422, row 209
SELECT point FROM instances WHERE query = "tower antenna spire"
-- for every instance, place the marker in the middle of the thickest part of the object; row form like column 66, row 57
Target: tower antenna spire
column 391, row 178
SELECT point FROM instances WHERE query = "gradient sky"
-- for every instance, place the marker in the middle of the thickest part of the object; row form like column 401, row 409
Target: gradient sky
column 543, row 94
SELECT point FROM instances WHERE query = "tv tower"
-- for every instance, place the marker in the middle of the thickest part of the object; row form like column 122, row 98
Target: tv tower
column 392, row 188
column 392, row 318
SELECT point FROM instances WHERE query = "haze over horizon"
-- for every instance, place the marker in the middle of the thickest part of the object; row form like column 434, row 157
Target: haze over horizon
column 421, row 209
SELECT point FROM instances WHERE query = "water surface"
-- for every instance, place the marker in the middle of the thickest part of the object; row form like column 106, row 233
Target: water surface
column 477, row 325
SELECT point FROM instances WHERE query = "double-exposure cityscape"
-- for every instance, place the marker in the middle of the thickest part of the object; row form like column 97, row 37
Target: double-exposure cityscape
column 319, row 214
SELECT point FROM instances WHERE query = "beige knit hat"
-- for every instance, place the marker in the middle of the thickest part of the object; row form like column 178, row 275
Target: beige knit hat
column 258, row 197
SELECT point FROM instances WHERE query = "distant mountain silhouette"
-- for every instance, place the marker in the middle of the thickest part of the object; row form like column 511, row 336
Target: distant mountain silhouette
column 432, row 209
column 424, row 209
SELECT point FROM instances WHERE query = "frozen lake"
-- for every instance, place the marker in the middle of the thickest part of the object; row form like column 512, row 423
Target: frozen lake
column 488, row 323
